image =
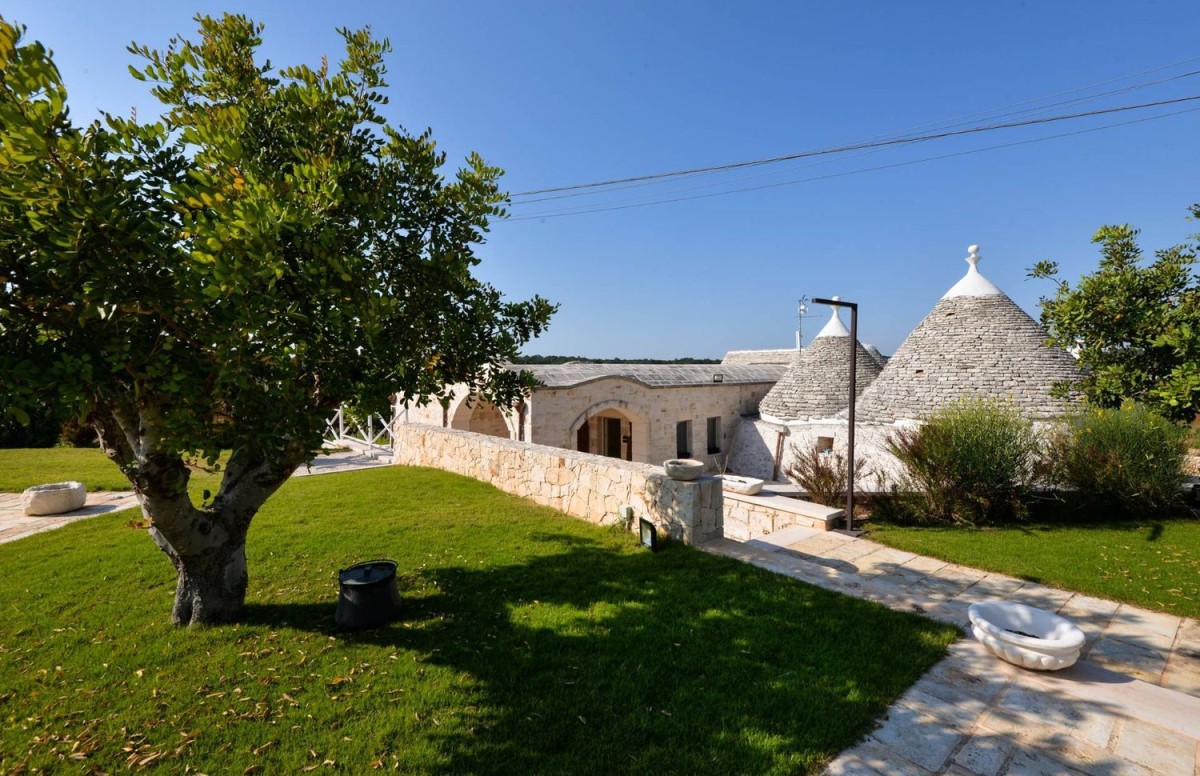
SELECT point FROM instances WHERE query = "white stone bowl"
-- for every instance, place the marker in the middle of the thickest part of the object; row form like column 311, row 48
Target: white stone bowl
column 53, row 499
column 685, row 469
column 1049, row 643
column 747, row 486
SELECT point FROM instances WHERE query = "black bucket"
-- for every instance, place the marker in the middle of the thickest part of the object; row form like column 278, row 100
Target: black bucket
column 367, row 595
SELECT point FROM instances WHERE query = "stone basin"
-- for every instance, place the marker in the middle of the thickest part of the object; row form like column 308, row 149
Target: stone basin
column 685, row 469
column 54, row 498
column 1025, row 636
column 747, row 486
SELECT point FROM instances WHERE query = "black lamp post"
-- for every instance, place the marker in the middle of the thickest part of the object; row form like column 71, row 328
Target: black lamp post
column 853, row 396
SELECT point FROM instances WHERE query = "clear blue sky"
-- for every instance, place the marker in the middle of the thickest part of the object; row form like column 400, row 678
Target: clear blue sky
column 560, row 93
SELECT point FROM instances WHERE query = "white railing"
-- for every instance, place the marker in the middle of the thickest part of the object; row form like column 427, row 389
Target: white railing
column 373, row 434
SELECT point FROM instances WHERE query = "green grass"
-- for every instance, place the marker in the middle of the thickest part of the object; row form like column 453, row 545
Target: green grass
column 530, row 642
column 1149, row 563
column 21, row 468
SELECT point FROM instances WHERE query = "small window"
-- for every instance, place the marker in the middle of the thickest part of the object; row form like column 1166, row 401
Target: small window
column 683, row 439
column 714, row 436
column 824, row 444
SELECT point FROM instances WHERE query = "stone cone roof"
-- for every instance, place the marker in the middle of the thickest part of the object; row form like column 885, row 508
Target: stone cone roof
column 975, row 342
column 817, row 382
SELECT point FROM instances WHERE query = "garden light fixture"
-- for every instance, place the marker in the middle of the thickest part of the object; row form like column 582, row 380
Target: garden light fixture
column 649, row 534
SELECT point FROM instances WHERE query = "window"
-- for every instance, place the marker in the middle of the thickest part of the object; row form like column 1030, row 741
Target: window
column 683, row 439
column 824, row 444
column 714, row 436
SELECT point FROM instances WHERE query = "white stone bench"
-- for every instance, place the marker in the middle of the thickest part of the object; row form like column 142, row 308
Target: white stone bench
column 769, row 511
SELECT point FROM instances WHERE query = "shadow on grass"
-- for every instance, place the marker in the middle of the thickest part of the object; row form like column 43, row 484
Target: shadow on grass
column 591, row 660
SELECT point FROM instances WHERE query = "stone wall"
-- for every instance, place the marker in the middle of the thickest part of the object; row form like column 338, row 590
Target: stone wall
column 754, row 451
column 588, row 486
column 465, row 413
column 754, row 448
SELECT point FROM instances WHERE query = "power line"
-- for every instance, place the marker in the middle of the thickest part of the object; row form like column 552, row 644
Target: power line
column 871, row 144
column 947, row 124
column 957, row 121
column 577, row 212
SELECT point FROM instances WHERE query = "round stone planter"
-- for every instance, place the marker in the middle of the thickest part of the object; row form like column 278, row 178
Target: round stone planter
column 1025, row 636
column 53, row 499
column 686, row 469
column 746, row 486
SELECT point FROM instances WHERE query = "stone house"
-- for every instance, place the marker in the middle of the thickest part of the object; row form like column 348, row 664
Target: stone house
column 646, row 413
column 974, row 342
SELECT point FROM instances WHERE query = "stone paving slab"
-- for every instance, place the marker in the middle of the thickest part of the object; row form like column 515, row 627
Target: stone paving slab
column 15, row 524
column 1132, row 706
column 1016, row 723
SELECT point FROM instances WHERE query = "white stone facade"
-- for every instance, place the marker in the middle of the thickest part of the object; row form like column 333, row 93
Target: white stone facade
column 651, row 416
column 643, row 418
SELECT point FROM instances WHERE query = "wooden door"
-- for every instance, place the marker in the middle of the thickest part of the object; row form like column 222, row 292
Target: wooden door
column 612, row 437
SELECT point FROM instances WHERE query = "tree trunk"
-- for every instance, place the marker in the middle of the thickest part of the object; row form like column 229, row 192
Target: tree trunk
column 211, row 584
column 206, row 545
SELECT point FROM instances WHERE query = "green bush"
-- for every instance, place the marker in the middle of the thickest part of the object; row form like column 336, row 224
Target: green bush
column 970, row 462
column 1127, row 460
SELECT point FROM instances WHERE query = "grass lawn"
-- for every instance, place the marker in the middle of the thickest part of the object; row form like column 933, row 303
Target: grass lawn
column 1149, row 563
column 21, row 468
column 530, row 642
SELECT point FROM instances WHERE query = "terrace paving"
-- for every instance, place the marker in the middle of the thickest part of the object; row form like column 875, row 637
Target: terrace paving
column 1131, row 706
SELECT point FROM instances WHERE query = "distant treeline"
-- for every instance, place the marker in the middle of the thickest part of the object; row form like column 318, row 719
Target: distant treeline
column 537, row 359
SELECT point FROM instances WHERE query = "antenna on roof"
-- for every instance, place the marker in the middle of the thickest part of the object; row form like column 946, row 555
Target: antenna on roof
column 801, row 309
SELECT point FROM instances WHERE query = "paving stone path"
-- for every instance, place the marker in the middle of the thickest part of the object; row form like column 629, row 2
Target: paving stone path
column 15, row 524
column 1132, row 706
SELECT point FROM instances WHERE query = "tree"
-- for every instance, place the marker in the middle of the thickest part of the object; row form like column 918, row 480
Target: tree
column 222, row 278
column 1134, row 327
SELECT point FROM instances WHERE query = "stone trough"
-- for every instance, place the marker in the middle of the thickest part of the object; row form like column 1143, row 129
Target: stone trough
column 53, row 499
column 747, row 486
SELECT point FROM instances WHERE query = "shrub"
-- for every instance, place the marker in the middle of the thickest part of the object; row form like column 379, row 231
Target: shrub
column 821, row 473
column 970, row 462
column 1125, row 460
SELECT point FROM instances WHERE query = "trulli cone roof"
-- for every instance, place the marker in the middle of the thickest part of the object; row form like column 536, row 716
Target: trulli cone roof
column 817, row 382
column 976, row 342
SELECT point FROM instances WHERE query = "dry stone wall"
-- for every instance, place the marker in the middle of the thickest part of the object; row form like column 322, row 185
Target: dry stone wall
column 591, row 487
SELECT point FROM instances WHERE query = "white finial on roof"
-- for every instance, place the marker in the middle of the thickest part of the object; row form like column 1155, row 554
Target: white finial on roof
column 973, row 283
column 835, row 327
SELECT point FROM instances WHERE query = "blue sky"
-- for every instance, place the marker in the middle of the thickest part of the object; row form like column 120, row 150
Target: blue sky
column 570, row 92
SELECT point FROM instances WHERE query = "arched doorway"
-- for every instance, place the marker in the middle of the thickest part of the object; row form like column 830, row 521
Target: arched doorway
column 481, row 417
column 609, row 429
